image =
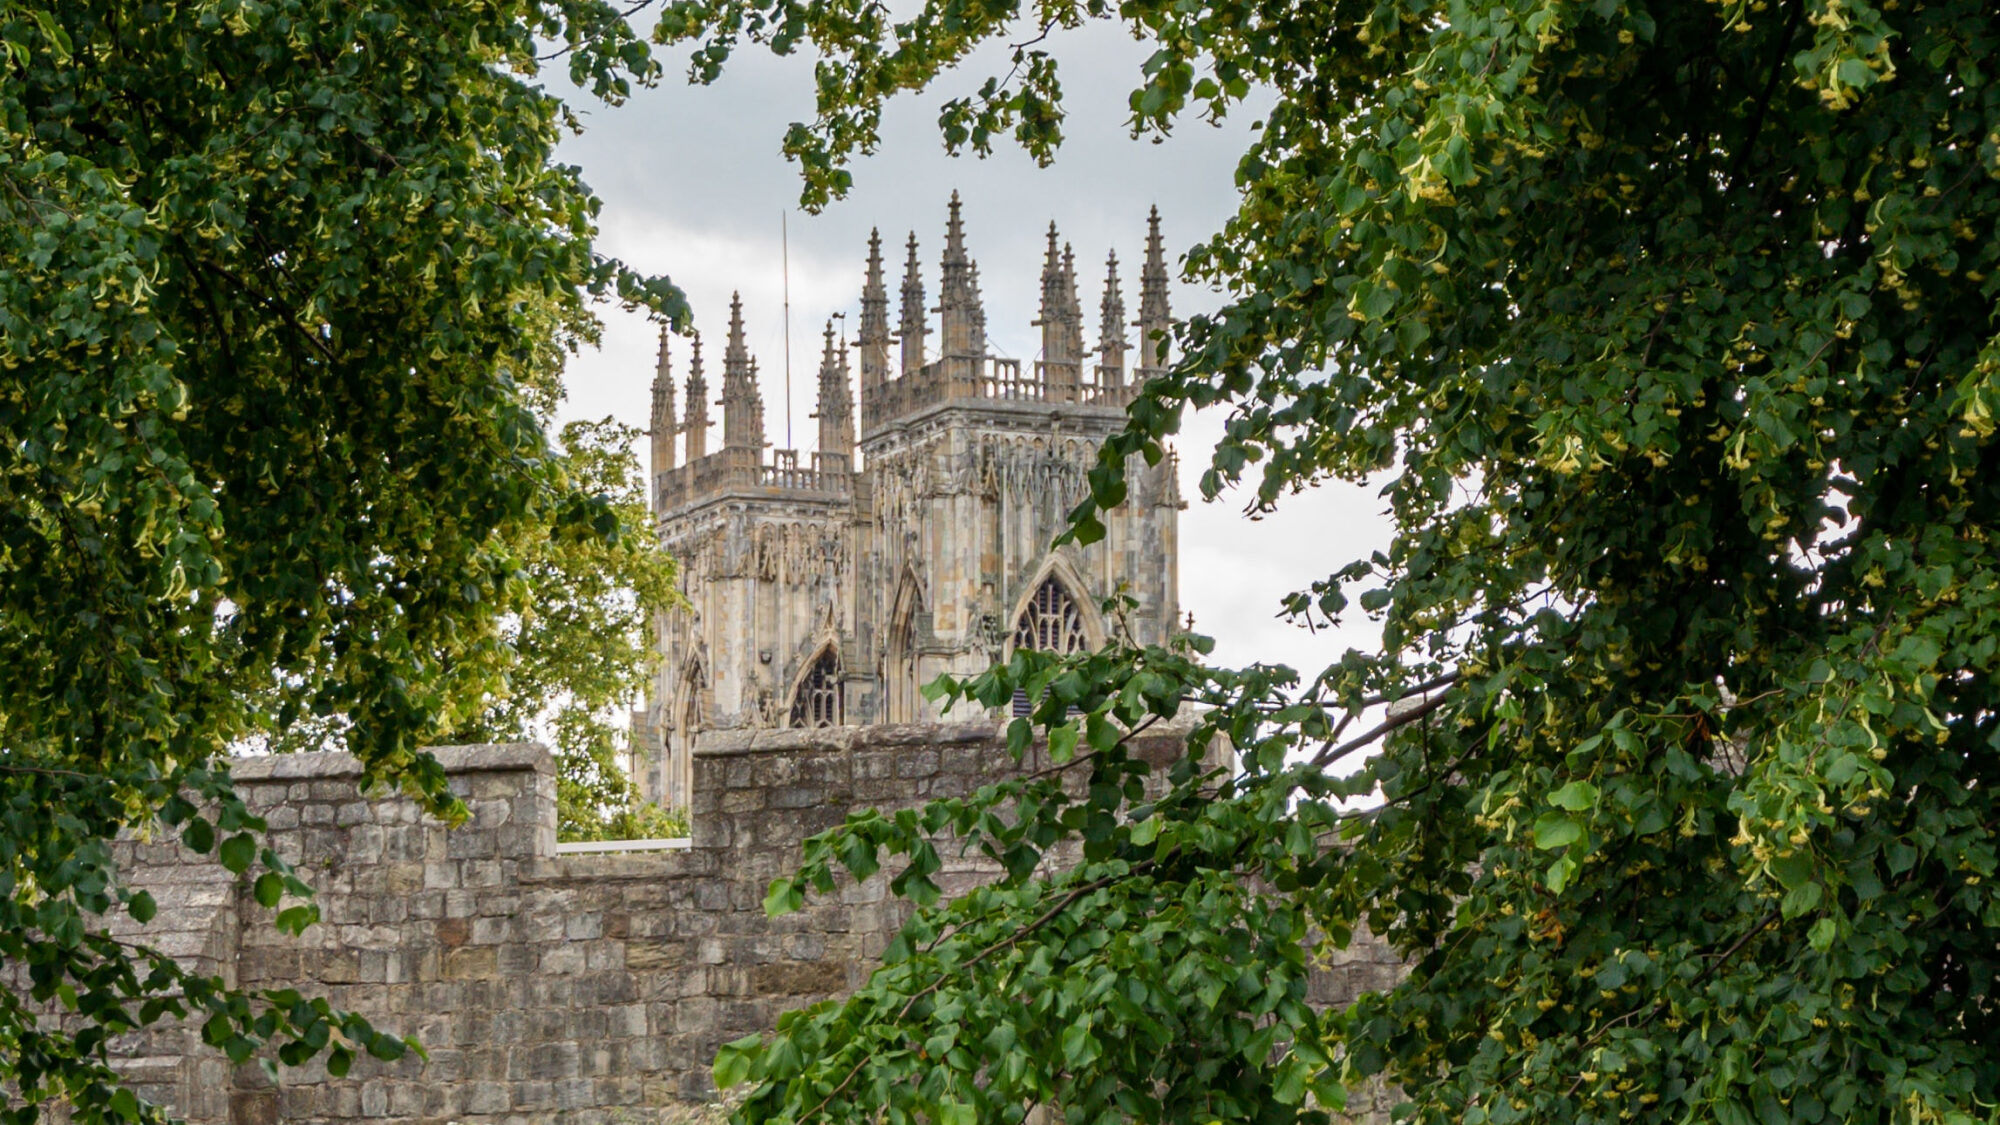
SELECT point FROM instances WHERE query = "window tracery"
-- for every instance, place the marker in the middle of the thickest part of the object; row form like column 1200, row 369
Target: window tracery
column 816, row 703
column 1051, row 621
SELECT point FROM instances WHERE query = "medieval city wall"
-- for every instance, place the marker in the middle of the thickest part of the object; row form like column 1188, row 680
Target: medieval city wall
column 550, row 986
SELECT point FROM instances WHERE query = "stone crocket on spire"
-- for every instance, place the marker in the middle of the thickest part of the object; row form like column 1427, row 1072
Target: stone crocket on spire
column 874, row 339
column 1050, row 320
column 1111, row 328
column 1061, row 322
column 961, row 321
column 1154, row 317
column 696, row 426
column 836, row 406
column 662, row 423
column 1072, row 308
column 742, row 407
column 912, row 330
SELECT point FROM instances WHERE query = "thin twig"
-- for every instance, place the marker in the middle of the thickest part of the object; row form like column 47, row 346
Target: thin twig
column 54, row 772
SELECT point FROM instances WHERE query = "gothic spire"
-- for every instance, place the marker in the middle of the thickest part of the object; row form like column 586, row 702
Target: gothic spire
column 836, row 407
column 912, row 330
column 1111, row 328
column 662, row 424
column 1154, row 317
column 977, row 319
column 1061, row 322
column 954, row 233
column 1051, row 294
column 742, row 407
column 696, row 426
column 961, row 319
column 1071, row 306
column 874, row 340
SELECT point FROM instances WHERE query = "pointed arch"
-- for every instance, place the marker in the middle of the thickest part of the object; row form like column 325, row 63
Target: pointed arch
column 1051, row 615
column 816, row 695
column 902, row 702
column 688, row 722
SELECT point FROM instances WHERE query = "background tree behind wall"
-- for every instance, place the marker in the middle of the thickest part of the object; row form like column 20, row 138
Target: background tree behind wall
column 579, row 628
column 584, row 641
column 1670, row 329
column 285, row 287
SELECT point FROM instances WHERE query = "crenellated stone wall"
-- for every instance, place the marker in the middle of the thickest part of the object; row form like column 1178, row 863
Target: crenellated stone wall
column 550, row 986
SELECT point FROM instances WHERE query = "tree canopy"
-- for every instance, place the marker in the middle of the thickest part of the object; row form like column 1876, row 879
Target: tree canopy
column 583, row 642
column 285, row 290
column 1668, row 331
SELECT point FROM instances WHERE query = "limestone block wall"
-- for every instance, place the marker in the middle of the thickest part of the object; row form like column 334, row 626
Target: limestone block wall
column 590, row 989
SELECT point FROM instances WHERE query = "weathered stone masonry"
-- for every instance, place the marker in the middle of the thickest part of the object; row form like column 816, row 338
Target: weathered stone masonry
column 579, row 988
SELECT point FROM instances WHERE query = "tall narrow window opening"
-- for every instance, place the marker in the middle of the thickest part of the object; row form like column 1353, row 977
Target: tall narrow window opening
column 694, row 709
column 900, row 670
column 817, row 701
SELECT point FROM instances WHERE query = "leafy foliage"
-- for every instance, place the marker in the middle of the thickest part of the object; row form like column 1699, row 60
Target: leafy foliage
column 283, row 286
column 1670, row 328
column 584, row 634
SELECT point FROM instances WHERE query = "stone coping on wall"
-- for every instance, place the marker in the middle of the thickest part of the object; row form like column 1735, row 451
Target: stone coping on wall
column 318, row 765
column 561, row 987
column 820, row 740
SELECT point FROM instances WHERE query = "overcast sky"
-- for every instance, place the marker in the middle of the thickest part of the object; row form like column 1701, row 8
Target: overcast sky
column 695, row 187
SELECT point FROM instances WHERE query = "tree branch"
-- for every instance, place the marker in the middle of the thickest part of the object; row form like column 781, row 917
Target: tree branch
column 1334, row 754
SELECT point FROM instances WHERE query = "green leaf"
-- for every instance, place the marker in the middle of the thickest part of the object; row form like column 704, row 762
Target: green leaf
column 1793, row 870
column 238, row 851
column 734, row 1060
column 1577, row 796
column 784, row 897
column 1801, row 899
column 1555, row 830
column 294, row 919
column 1558, row 875
column 199, row 835
column 1062, row 742
column 269, row 889
column 142, row 907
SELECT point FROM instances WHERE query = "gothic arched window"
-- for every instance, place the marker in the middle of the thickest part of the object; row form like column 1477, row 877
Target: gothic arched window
column 1051, row 621
column 816, row 703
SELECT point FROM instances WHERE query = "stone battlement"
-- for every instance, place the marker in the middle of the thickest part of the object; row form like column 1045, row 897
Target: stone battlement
column 548, row 985
column 737, row 473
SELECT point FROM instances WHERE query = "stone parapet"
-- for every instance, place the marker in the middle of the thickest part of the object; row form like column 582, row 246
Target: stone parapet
column 742, row 473
column 547, row 986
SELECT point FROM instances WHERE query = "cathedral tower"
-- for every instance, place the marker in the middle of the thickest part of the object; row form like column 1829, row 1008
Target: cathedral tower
column 827, row 589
